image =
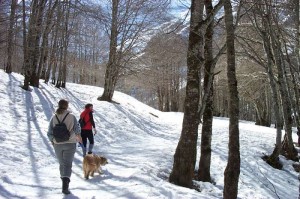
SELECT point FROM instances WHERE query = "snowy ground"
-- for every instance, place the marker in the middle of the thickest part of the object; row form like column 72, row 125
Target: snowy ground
column 138, row 145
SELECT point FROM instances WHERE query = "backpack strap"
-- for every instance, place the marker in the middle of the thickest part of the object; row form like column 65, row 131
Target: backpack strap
column 63, row 119
column 57, row 119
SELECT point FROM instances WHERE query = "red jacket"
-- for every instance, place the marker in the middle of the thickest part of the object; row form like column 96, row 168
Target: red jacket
column 87, row 115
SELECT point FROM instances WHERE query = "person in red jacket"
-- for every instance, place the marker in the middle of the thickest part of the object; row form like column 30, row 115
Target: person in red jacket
column 87, row 129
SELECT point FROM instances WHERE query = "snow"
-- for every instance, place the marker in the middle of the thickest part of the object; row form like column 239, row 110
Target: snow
column 139, row 147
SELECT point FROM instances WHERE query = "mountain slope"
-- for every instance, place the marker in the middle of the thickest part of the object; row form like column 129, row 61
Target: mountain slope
column 138, row 141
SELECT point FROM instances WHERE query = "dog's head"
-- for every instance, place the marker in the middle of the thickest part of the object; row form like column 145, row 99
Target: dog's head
column 100, row 160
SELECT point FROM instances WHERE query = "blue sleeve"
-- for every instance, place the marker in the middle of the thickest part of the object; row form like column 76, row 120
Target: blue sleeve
column 50, row 130
column 76, row 128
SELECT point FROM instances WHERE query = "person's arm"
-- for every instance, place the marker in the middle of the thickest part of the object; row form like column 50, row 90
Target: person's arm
column 76, row 127
column 77, row 130
column 50, row 130
column 92, row 120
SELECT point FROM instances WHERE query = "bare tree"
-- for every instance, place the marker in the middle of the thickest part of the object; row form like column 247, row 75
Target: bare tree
column 294, row 61
column 164, row 57
column 8, row 68
column 129, row 21
column 232, row 171
column 185, row 154
column 24, row 34
column 64, row 42
column 184, row 158
column 4, row 27
column 266, row 49
column 52, row 62
column 33, row 42
column 112, row 66
column 270, row 18
column 206, row 135
column 45, row 39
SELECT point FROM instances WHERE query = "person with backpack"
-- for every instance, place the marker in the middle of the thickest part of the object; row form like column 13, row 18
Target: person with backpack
column 87, row 126
column 64, row 132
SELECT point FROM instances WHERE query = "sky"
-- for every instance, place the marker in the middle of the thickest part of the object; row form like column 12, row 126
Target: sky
column 180, row 8
column 138, row 141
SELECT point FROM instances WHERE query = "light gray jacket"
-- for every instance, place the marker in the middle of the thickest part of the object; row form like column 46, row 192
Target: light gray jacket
column 71, row 123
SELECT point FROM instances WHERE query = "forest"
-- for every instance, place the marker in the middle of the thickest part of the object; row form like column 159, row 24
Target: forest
column 228, row 58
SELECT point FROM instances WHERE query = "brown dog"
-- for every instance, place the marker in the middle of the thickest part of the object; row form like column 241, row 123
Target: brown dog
column 92, row 163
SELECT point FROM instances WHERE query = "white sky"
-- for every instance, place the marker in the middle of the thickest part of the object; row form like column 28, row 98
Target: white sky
column 139, row 148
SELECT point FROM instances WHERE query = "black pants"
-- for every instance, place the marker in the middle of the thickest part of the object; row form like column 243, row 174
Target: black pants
column 87, row 134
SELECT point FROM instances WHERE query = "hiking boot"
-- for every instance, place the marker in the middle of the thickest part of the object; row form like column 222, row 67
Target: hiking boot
column 65, row 185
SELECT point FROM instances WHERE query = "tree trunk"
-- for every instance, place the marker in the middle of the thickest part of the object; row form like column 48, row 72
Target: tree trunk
column 66, row 35
column 34, row 80
column 111, row 73
column 185, row 156
column 60, row 65
column 294, row 91
column 232, row 171
column 206, row 135
column 167, row 101
column 33, row 41
column 53, row 57
column 174, row 107
column 291, row 153
column 296, row 103
column 262, row 111
column 24, row 36
column 273, row 159
column 297, row 24
column 10, row 36
column 45, row 45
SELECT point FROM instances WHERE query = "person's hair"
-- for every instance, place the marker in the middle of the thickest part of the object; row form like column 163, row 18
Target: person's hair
column 62, row 106
column 88, row 106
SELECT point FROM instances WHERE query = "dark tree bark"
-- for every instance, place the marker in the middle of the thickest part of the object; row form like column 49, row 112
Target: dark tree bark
column 24, row 34
column 36, row 51
column 287, row 145
column 60, row 60
column 10, row 36
column 206, row 135
column 53, row 58
column 273, row 158
column 263, row 112
column 112, row 71
column 206, row 109
column 174, row 88
column 66, row 35
column 232, row 171
column 260, row 24
column 33, row 43
column 295, row 91
column 297, row 24
column 45, row 40
column 185, row 155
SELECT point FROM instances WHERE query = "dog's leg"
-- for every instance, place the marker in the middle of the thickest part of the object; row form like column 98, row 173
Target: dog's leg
column 84, row 171
column 87, row 175
column 100, row 170
column 92, row 174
